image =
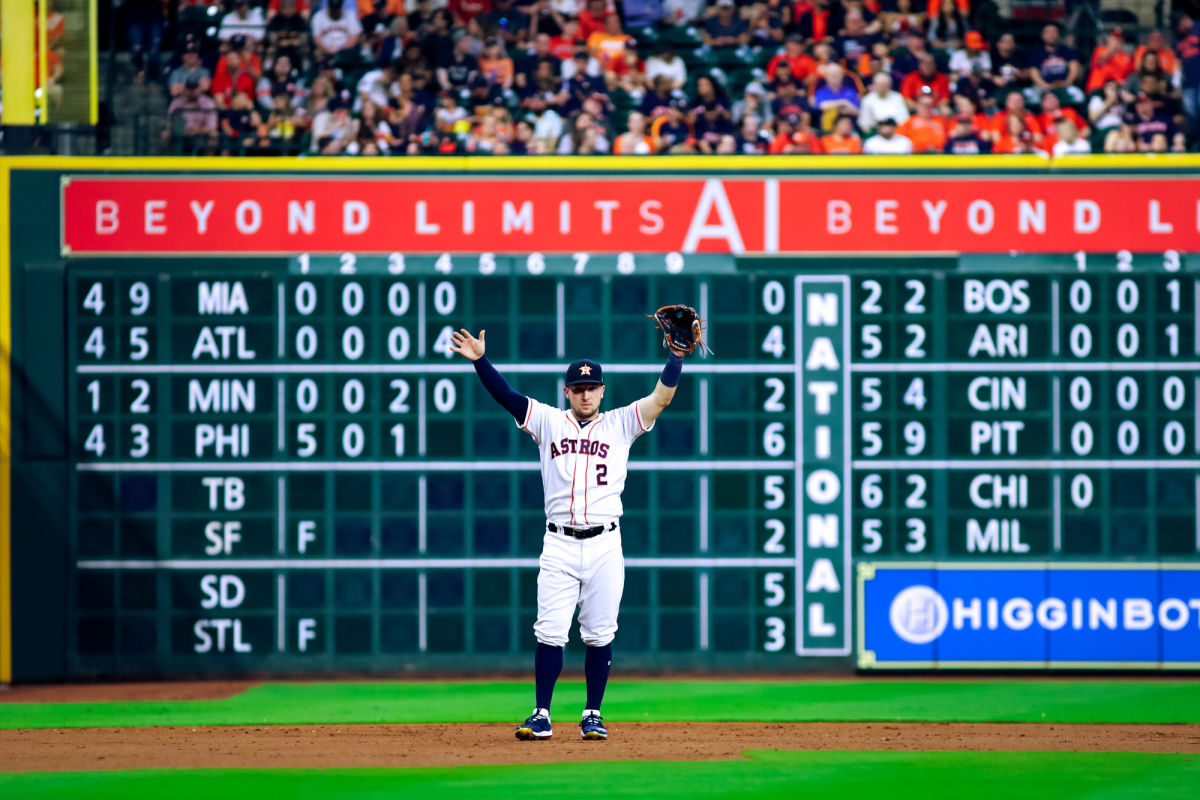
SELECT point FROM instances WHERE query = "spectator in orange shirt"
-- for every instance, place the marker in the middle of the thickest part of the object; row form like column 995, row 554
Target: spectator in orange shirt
column 926, row 129
column 1156, row 43
column 1016, row 137
column 843, row 140
column 931, row 7
column 368, row 7
column 794, row 56
column 877, row 60
column 608, row 46
column 1110, row 60
column 795, row 136
column 965, row 105
column 926, row 81
column 495, row 65
column 1053, row 111
column 1014, row 106
column 591, row 19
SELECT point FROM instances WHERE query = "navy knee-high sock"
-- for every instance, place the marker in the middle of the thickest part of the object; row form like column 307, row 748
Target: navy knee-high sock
column 596, row 665
column 547, row 664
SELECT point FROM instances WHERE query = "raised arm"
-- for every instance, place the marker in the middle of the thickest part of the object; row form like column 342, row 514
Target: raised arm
column 468, row 346
column 653, row 404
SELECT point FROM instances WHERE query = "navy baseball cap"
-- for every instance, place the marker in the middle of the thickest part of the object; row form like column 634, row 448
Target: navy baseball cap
column 584, row 371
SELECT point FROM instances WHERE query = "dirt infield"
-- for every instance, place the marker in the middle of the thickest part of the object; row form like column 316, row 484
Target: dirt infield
column 328, row 746
column 289, row 746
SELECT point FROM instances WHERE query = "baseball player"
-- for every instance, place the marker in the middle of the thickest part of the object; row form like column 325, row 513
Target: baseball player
column 583, row 454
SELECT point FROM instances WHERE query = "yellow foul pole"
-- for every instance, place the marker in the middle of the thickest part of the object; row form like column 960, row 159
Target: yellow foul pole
column 16, row 42
column 43, row 90
column 93, row 63
column 17, row 84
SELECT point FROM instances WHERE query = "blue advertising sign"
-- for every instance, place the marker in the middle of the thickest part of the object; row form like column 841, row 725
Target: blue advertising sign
column 956, row 615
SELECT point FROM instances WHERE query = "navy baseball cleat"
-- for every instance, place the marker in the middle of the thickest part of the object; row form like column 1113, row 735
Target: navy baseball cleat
column 536, row 727
column 592, row 726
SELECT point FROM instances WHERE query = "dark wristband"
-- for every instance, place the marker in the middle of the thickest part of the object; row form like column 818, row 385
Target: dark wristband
column 671, row 372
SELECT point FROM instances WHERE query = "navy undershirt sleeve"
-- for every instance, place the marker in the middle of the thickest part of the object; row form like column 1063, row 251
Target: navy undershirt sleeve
column 513, row 401
column 670, row 373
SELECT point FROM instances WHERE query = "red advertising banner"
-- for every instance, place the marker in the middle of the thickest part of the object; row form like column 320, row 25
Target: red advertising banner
column 970, row 214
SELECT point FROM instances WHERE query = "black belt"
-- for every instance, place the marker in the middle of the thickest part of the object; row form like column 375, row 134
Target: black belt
column 581, row 533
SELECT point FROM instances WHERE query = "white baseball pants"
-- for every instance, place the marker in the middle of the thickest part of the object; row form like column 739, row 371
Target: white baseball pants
column 589, row 573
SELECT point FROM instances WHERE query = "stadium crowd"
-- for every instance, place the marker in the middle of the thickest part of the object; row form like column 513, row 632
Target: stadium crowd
column 407, row 77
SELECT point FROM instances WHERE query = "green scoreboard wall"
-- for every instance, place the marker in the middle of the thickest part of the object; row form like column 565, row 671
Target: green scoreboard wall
column 238, row 442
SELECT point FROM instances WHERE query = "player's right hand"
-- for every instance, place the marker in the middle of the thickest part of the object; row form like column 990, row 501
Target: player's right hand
column 466, row 344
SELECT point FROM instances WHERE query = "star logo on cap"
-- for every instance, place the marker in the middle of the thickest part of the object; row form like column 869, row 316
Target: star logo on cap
column 585, row 370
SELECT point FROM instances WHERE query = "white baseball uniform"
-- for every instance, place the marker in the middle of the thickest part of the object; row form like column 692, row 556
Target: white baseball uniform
column 583, row 475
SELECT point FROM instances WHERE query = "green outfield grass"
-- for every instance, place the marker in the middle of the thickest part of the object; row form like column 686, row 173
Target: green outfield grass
column 766, row 774
column 1133, row 701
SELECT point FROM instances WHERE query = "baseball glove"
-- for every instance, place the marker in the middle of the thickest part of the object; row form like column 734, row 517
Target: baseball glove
column 681, row 327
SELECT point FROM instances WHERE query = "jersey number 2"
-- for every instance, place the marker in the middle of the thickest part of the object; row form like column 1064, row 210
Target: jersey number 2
column 601, row 474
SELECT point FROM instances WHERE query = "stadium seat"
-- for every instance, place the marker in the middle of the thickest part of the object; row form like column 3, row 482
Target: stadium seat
column 1028, row 33
column 1120, row 17
column 682, row 38
column 198, row 22
column 722, row 80
column 701, row 58
column 735, row 57
column 623, row 100
column 645, row 37
column 351, row 59
column 740, row 78
column 1070, row 96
